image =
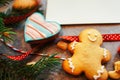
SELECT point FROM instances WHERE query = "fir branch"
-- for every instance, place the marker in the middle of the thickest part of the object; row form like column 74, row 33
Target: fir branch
column 4, row 2
column 2, row 15
column 5, row 33
column 33, row 71
column 18, row 70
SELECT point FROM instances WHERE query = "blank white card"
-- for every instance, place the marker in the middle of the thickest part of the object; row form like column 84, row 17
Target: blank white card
column 83, row 11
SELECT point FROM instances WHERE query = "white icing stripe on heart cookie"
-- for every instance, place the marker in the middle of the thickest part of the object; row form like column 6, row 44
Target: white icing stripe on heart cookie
column 38, row 17
column 30, row 34
column 47, row 26
column 50, row 25
column 33, row 30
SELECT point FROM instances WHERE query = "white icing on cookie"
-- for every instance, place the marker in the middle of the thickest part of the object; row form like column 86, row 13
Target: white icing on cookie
column 105, row 53
column 90, row 38
column 99, row 72
column 73, row 45
column 71, row 64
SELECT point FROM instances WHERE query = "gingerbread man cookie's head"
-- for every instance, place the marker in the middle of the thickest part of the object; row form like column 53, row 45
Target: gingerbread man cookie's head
column 91, row 36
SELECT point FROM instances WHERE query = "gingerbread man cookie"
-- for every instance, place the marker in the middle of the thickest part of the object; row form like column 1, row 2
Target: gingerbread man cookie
column 116, row 73
column 88, row 56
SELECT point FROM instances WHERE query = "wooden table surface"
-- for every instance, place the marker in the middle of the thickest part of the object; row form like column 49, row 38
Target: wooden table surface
column 58, row 73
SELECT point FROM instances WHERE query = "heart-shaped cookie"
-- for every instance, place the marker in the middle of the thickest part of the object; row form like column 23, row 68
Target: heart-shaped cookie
column 37, row 29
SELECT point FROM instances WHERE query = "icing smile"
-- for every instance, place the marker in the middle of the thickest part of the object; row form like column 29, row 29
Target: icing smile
column 94, row 38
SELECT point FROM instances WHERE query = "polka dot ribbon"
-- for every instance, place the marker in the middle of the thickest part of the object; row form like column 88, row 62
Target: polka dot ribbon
column 19, row 57
column 106, row 37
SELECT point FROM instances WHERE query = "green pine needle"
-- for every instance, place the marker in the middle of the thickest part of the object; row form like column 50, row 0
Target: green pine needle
column 18, row 70
column 4, row 2
column 5, row 33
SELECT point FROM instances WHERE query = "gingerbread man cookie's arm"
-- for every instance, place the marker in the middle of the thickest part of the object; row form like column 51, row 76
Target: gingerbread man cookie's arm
column 64, row 45
column 71, row 46
column 106, row 55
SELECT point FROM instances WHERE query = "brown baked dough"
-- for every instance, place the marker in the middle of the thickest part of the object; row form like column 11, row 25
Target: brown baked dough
column 88, row 56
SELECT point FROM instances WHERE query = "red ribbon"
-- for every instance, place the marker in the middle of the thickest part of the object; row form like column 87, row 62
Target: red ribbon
column 19, row 57
column 106, row 37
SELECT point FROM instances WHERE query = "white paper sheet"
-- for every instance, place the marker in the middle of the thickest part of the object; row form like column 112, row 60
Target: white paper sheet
column 83, row 11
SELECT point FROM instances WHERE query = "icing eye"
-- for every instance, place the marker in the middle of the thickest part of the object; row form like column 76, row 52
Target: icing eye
column 95, row 35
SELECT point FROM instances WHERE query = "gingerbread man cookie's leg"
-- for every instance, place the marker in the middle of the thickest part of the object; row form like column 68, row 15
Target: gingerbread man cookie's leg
column 97, row 74
column 116, row 73
column 103, row 76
